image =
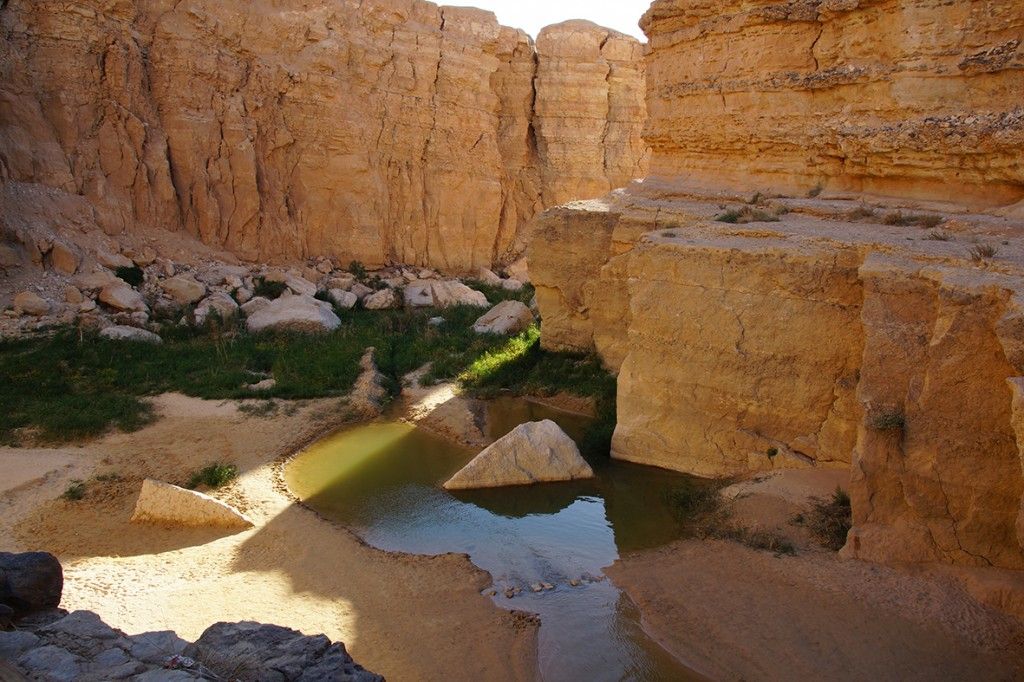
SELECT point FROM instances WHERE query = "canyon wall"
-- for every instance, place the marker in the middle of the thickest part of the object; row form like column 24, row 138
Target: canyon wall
column 387, row 131
column 873, row 326
column 913, row 98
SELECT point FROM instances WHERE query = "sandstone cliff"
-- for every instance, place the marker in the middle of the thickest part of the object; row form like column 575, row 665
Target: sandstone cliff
column 378, row 130
column 899, row 97
column 880, row 334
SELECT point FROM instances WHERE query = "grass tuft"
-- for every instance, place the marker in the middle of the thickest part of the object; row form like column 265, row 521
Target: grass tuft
column 75, row 491
column 213, row 476
column 830, row 520
column 983, row 252
column 939, row 236
column 745, row 215
column 904, row 220
column 888, row 421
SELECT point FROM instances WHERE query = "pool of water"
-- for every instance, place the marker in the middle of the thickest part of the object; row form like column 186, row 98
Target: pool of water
column 383, row 480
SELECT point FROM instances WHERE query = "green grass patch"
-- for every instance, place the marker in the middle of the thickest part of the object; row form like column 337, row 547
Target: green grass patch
column 213, row 476
column 496, row 294
column 72, row 386
column 75, row 491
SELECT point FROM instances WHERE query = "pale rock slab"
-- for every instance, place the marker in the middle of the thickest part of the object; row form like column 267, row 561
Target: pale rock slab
column 120, row 296
column 535, row 452
column 345, row 300
column 183, row 289
column 168, row 504
column 508, row 317
column 219, row 303
column 293, row 313
column 381, row 300
column 434, row 294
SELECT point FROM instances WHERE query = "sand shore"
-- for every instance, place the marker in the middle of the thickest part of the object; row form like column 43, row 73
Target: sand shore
column 405, row 617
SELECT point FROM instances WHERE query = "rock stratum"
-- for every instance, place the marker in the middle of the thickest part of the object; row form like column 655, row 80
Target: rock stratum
column 824, row 267
column 914, row 98
column 384, row 131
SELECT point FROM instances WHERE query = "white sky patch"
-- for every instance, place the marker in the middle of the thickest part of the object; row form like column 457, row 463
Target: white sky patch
column 533, row 15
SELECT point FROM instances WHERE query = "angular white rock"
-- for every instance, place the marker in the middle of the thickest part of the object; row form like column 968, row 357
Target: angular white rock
column 294, row 313
column 508, row 317
column 165, row 503
column 535, row 452
column 125, row 333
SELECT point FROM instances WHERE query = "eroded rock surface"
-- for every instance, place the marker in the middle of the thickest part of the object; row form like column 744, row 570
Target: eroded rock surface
column 168, row 504
column 380, row 130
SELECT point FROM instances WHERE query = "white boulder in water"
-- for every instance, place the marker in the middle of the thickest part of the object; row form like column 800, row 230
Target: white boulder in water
column 535, row 452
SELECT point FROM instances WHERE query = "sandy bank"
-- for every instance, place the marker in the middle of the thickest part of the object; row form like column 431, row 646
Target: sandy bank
column 402, row 616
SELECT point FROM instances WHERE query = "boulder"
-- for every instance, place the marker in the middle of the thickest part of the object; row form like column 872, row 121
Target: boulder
column 345, row 300
column 132, row 334
column 94, row 281
column 252, row 651
column 294, row 313
column 300, row 286
column 255, row 304
column 244, row 294
column 361, row 290
column 519, row 270
column 63, row 258
column 220, row 303
column 534, row 452
column 73, row 295
column 31, row 581
column 343, row 281
column 113, row 260
column 183, row 289
column 31, row 303
column 165, row 503
column 430, row 293
column 381, row 300
column 488, row 277
column 508, row 317
column 121, row 296
column 512, row 284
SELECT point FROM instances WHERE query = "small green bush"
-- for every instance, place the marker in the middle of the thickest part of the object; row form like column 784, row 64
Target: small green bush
column 860, row 213
column 132, row 274
column 746, row 215
column 829, row 521
column 213, row 476
column 772, row 453
column 904, row 220
column 267, row 289
column 75, row 491
column 357, row 269
column 815, row 191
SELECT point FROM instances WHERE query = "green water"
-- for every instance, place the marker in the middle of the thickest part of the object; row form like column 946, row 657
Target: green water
column 384, row 481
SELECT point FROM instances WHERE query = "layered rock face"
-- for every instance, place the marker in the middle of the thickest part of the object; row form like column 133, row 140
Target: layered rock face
column 381, row 131
column 880, row 334
column 898, row 97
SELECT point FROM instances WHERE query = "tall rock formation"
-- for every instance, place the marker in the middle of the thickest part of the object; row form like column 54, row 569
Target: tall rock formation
column 376, row 130
column 914, row 98
column 880, row 334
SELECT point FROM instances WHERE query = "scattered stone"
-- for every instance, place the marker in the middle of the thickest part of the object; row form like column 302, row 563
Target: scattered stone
column 265, row 385
column 131, row 334
column 537, row 587
column 293, row 313
column 575, row 582
column 64, row 259
column 30, row 581
column 87, row 306
column 121, row 296
column 436, row 321
column 142, row 258
column 233, row 282
column 345, row 300
column 183, row 289
column 534, row 452
column 218, row 302
column 382, row 300
column 31, row 303
column 508, row 317
column 165, row 503
column 324, row 267
column 511, row 284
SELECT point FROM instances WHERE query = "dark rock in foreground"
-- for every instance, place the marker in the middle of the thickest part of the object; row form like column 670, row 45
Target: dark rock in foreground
column 31, row 581
column 80, row 647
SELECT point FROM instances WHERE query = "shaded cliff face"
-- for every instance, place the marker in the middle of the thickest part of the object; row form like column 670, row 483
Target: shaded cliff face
column 910, row 98
column 816, row 340
column 381, row 130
